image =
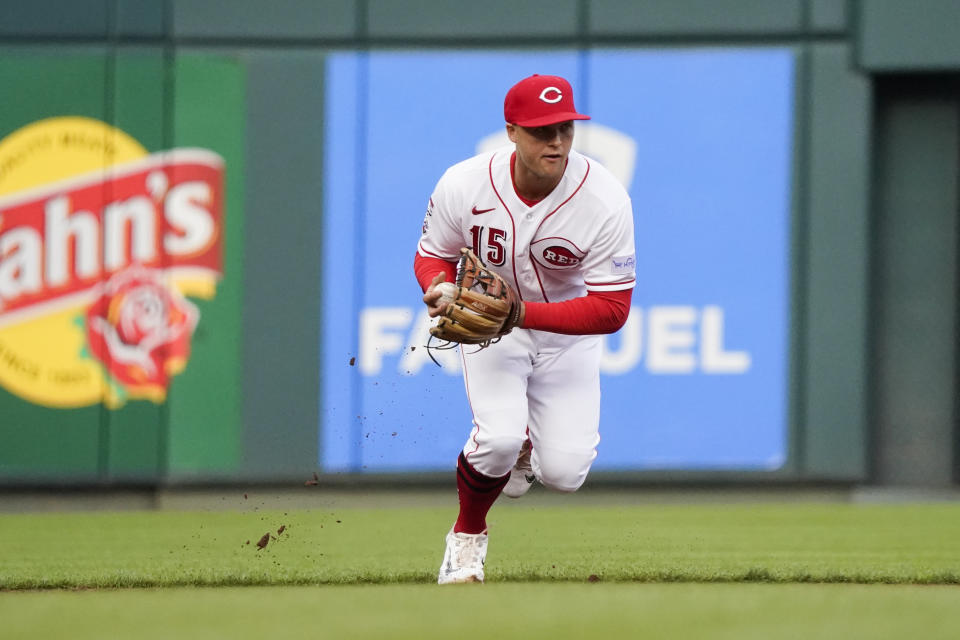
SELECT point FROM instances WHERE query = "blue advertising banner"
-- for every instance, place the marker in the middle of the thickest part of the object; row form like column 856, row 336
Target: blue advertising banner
column 701, row 138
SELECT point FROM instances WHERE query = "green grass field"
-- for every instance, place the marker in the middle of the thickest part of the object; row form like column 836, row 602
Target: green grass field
column 557, row 569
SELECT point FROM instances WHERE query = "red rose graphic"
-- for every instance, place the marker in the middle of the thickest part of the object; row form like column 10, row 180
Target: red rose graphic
column 140, row 329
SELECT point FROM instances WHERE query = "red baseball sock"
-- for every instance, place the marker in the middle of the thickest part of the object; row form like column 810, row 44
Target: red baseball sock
column 477, row 494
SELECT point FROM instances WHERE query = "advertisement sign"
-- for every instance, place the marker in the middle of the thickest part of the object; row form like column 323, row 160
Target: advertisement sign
column 95, row 267
column 121, row 227
column 697, row 379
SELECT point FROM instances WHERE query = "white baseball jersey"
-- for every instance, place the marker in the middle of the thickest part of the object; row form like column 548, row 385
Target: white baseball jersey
column 536, row 384
column 577, row 239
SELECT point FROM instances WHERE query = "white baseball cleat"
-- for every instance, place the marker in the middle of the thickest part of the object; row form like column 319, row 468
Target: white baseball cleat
column 521, row 477
column 464, row 558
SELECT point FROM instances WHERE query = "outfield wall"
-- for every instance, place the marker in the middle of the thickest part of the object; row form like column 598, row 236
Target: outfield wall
column 258, row 167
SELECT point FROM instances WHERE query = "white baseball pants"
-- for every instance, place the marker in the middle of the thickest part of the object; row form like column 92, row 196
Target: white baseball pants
column 547, row 383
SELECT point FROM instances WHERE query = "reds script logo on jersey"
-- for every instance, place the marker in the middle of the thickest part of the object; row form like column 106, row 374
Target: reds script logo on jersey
column 556, row 253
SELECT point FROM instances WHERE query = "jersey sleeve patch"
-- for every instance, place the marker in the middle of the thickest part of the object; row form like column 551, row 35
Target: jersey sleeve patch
column 622, row 265
column 426, row 218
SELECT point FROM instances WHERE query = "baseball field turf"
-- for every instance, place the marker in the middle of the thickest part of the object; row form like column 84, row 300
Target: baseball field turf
column 344, row 568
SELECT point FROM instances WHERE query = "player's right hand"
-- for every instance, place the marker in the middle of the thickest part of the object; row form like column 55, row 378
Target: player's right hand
column 432, row 296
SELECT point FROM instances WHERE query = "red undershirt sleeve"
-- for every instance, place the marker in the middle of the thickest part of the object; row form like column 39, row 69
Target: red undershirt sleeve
column 596, row 312
column 426, row 268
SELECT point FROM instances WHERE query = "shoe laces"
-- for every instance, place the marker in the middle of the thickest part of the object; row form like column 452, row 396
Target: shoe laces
column 467, row 549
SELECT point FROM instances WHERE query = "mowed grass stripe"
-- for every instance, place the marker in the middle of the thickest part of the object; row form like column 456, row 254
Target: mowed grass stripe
column 811, row 542
column 507, row 610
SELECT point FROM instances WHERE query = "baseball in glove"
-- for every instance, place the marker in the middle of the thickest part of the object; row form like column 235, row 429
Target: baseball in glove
column 481, row 308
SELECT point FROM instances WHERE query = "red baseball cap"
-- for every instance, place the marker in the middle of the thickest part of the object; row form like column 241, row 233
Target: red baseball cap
column 540, row 100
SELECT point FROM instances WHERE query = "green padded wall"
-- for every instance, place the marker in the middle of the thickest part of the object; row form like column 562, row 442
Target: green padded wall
column 915, row 325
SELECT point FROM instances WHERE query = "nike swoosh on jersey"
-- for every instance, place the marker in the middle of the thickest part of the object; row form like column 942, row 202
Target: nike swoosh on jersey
column 477, row 212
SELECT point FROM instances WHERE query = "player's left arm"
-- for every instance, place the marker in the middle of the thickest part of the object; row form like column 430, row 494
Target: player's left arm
column 609, row 271
column 595, row 313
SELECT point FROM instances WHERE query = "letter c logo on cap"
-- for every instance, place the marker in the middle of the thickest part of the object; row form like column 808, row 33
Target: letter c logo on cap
column 555, row 96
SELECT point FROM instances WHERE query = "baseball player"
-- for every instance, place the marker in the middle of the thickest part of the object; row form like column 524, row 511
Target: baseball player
column 559, row 228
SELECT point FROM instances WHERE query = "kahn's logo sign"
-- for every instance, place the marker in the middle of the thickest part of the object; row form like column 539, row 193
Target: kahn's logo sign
column 101, row 243
column 556, row 253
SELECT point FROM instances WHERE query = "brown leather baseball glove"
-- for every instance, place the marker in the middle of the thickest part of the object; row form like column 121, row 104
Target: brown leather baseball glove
column 484, row 307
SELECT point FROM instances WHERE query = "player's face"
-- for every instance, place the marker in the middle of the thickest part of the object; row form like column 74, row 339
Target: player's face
column 543, row 150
